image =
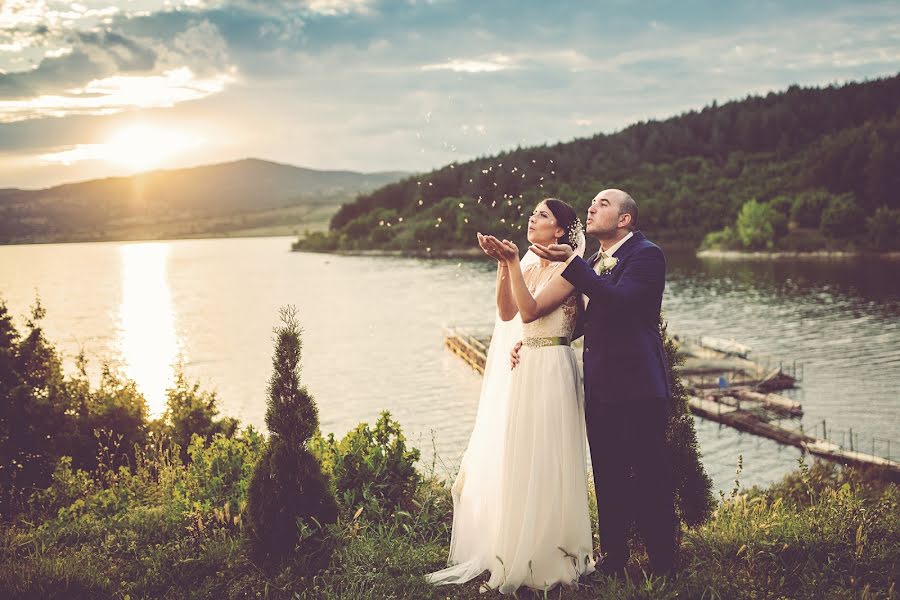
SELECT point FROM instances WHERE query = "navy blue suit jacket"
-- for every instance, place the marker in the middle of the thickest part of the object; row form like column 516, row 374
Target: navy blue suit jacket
column 624, row 361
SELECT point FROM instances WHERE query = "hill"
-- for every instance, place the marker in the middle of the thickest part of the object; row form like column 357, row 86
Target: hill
column 820, row 161
column 244, row 196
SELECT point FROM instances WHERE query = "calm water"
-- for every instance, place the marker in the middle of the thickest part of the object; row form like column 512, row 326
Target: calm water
column 373, row 340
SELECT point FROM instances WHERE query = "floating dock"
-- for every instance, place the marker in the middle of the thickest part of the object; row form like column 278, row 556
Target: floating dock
column 724, row 385
column 748, row 421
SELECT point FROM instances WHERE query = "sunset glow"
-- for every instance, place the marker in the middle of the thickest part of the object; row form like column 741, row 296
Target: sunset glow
column 138, row 147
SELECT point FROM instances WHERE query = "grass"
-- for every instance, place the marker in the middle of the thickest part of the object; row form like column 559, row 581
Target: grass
column 162, row 532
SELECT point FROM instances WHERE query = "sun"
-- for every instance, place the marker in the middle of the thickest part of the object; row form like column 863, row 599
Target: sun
column 143, row 147
column 137, row 147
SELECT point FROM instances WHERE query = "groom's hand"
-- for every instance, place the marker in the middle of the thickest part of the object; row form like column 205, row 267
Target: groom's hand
column 514, row 356
column 554, row 252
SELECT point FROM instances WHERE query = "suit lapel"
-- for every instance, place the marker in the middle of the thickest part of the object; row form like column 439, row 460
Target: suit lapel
column 630, row 246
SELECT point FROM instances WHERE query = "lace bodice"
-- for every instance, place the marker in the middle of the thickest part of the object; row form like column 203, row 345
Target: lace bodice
column 559, row 322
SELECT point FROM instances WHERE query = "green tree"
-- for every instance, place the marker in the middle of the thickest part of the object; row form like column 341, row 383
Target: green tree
column 843, row 218
column 807, row 208
column 782, row 204
column 884, row 229
column 756, row 225
column 289, row 500
column 35, row 418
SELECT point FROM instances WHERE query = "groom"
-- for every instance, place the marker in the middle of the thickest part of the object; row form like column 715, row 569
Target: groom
column 626, row 386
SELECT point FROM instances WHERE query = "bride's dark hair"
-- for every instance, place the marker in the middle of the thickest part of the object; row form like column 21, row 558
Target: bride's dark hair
column 567, row 219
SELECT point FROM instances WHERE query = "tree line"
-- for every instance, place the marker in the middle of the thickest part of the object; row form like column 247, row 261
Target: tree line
column 691, row 175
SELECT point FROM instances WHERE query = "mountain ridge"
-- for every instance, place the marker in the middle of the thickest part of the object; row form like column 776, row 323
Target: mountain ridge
column 249, row 193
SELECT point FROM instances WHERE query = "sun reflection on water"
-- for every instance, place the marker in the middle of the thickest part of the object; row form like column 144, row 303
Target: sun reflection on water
column 147, row 338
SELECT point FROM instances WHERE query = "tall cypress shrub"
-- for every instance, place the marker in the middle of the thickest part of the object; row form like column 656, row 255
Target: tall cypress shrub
column 289, row 500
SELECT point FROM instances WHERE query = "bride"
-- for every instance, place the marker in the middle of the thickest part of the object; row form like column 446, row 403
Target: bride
column 520, row 501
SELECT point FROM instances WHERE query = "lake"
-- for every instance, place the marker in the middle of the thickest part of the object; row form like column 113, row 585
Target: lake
column 373, row 332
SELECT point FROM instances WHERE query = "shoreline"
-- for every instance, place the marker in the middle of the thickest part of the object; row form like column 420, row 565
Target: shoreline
column 713, row 254
column 447, row 253
column 791, row 255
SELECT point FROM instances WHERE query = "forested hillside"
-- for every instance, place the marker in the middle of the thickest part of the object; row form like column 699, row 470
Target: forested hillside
column 820, row 163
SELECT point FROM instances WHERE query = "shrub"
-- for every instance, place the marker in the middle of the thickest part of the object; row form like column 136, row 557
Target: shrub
column 694, row 501
column 222, row 469
column 191, row 412
column 67, row 487
column 724, row 239
column 116, row 411
column 371, row 465
column 317, row 241
column 290, row 500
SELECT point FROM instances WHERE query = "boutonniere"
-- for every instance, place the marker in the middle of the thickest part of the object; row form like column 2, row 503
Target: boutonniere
column 606, row 264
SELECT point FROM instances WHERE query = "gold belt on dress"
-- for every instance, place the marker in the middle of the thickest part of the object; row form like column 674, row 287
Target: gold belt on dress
column 536, row 342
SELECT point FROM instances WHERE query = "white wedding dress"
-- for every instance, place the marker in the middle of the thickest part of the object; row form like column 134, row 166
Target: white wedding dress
column 520, row 500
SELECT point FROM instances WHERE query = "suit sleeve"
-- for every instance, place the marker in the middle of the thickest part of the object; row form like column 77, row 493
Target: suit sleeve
column 641, row 282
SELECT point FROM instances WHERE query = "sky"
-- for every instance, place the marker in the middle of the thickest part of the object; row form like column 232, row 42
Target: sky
column 97, row 88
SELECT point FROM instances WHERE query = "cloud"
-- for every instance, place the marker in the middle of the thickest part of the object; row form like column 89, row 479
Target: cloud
column 486, row 65
column 101, row 72
column 53, row 73
column 342, row 83
column 115, row 94
column 126, row 54
column 339, row 7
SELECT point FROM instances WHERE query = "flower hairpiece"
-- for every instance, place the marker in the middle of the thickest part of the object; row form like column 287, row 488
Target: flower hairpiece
column 575, row 229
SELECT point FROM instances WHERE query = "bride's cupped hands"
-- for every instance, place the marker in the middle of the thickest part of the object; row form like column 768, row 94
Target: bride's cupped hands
column 503, row 251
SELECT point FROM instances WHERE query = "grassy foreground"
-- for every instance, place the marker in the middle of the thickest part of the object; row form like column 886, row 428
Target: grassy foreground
column 166, row 529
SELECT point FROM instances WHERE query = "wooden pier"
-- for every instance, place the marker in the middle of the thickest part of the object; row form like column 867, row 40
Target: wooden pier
column 750, row 422
column 724, row 385
column 468, row 347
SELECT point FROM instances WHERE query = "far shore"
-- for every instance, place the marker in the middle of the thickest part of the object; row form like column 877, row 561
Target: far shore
column 783, row 255
column 470, row 253
column 446, row 253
